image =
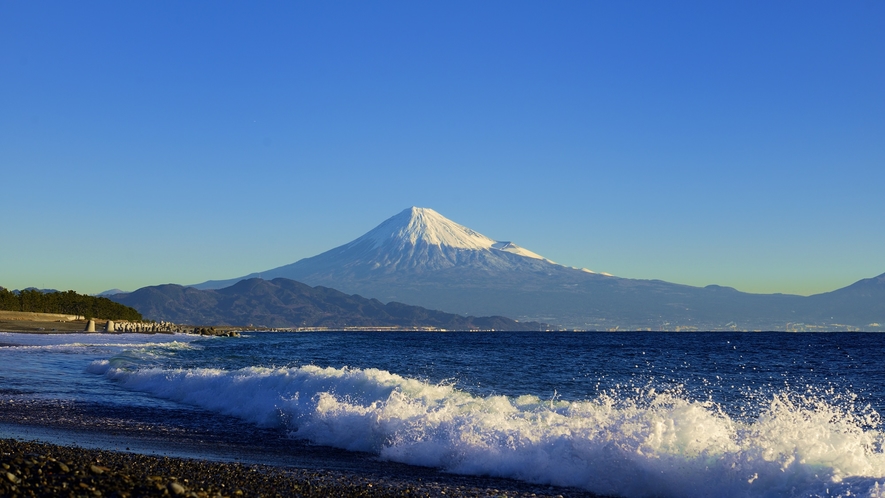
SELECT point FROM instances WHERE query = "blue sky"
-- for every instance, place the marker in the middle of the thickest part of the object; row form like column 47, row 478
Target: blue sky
column 736, row 143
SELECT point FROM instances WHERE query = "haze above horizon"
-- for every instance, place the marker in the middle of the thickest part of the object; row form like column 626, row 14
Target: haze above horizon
column 732, row 144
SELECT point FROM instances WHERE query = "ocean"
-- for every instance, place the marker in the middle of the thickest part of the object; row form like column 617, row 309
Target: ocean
column 622, row 414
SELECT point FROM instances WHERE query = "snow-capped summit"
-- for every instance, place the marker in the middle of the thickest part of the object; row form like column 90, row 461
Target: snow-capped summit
column 417, row 241
column 416, row 227
column 425, row 225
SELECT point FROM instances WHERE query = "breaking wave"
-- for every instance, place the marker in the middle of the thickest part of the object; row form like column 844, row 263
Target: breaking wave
column 76, row 341
column 631, row 442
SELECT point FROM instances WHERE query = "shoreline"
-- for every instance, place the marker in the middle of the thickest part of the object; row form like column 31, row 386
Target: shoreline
column 40, row 323
column 16, row 322
column 148, row 447
column 43, row 469
column 20, row 322
column 146, row 450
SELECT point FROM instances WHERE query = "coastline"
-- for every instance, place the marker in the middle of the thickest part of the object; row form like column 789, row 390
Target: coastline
column 40, row 323
column 21, row 322
column 143, row 453
column 35, row 468
column 18, row 322
column 158, row 450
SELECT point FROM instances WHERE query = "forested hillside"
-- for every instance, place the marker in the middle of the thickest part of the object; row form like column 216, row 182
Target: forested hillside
column 67, row 303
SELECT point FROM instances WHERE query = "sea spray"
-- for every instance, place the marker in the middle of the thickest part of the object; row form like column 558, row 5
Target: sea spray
column 627, row 442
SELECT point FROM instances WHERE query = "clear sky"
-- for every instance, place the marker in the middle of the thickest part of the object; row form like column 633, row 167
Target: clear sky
column 739, row 143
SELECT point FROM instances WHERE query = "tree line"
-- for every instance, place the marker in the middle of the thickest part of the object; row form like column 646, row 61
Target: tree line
column 66, row 303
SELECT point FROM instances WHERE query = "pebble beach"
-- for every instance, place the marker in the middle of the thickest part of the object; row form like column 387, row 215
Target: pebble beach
column 39, row 469
column 54, row 448
column 30, row 468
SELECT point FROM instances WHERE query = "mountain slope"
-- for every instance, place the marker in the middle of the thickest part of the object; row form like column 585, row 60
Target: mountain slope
column 415, row 241
column 287, row 303
column 422, row 258
column 860, row 302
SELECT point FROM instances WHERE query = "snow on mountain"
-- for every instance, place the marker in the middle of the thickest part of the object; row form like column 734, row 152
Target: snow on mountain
column 426, row 226
column 421, row 240
column 414, row 241
column 417, row 240
column 425, row 236
column 515, row 249
column 419, row 257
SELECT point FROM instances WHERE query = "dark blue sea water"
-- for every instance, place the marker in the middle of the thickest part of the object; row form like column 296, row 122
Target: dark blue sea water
column 628, row 414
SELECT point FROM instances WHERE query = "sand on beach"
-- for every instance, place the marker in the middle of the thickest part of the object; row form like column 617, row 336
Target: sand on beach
column 42, row 323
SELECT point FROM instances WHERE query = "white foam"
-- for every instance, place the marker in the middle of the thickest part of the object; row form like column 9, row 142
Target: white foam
column 93, row 339
column 629, row 444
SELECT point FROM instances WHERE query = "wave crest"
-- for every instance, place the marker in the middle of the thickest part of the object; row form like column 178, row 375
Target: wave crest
column 630, row 443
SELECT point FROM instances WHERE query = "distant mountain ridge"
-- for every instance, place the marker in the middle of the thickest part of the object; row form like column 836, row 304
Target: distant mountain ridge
column 284, row 303
column 420, row 257
column 111, row 292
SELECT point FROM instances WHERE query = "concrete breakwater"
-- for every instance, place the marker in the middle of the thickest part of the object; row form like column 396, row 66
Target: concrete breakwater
column 162, row 327
column 215, row 332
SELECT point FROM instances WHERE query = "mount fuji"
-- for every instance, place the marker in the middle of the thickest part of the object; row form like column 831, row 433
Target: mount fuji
column 418, row 242
column 419, row 257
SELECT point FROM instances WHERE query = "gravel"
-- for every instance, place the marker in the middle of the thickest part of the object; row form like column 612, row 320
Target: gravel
column 40, row 469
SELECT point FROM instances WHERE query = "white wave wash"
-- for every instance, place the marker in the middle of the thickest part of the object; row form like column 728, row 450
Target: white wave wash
column 644, row 444
column 82, row 340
